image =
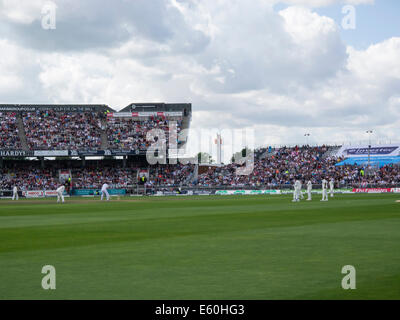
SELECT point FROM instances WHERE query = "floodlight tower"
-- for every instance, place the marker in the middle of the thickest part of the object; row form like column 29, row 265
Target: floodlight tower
column 307, row 135
column 369, row 132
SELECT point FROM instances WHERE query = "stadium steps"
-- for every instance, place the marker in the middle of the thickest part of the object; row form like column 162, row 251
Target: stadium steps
column 193, row 176
column 103, row 135
column 330, row 152
column 186, row 122
column 269, row 155
column 21, row 132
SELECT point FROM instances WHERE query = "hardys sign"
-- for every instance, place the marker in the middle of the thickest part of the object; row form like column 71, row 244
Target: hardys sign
column 15, row 153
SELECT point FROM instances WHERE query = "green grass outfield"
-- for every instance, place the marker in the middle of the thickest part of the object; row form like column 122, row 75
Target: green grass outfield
column 204, row 247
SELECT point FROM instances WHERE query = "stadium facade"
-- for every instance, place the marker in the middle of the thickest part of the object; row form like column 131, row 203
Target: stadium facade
column 43, row 145
column 23, row 118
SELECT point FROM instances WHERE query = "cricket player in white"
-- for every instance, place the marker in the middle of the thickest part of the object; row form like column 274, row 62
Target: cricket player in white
column 15, row 193
column 60, row 196
column 296, row 191
column 300, row 192
column 309, row 188
column 104, row 192
column 331, row 186
column 324, row 190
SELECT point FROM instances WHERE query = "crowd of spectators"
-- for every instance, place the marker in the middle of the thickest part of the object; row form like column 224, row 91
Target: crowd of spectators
column 130, row 133
column 171, row 175
column 29, row 179
column 284, row 165
column 56, row 130
column 9, row 138
column 272, row 169
column 52, row 130
column 94, row 178
column 48, row 179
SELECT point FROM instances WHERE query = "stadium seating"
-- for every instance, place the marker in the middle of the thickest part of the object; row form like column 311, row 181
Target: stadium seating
column 54, row 130
column 274, row 171
column 9, row 132
column 29, row 179
column 51, row 130
column 286, row 164
column 130, row 133
column 47, row 179
column 48, row 129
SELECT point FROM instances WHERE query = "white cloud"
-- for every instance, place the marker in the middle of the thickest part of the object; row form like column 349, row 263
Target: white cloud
column 282, row 74
column 21, row 11
column 324, row 3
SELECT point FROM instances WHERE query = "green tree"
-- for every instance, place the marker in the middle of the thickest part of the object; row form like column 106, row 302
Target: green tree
column 204, row 157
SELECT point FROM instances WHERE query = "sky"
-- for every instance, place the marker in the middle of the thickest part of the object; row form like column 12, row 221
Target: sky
column 279, row 68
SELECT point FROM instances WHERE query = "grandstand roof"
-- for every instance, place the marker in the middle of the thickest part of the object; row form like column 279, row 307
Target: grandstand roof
column 56, row 107
column 186, row 108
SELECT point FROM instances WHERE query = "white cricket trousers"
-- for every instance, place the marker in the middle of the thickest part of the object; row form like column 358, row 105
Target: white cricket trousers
column 60, row 196
column 15, row 196
column 105, row 192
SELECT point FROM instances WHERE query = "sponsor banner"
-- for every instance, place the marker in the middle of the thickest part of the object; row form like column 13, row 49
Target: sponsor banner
column 372, row 190
column 247, row 192
column 51, row 193
column 318, row 191
column 15, row 153
column 107, row 152
column 342, row 191
column 126, row 153
column 12, row 108
column 199, row 193
column 7, row 193
column 170, row 193
column 91, row 192
column 174, row 113
column 33, row 194
column 66, row 108
column 145, row 114
column 69, row 153
column 40, row 193
column 121, row 114
column 51, row 153
column 357, row 151
column 396, row 190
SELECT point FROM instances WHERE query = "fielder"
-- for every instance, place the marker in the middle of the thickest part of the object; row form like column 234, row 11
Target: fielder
column 309, row 188
column 15, row 193
column 60, row 196
column 331, row 187
column 300, row 192
column 296, row 191
column 324, row 190
column 104, row 192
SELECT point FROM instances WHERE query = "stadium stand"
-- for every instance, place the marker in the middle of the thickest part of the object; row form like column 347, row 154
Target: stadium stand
column 286, row 164
column 9, row 132
column 272, row 172
column 130, row 133
column 48, row 179
column 32, row 132
column 52, row 130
